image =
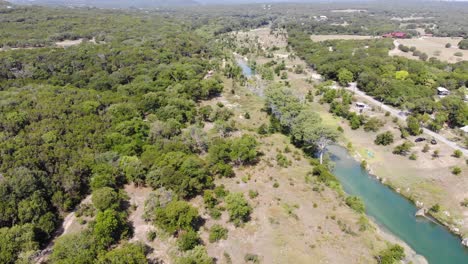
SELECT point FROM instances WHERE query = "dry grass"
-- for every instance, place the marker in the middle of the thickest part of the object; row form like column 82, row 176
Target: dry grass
column 433, row 47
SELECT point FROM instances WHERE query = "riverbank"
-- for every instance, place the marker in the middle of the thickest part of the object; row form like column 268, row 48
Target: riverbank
column 426, row 181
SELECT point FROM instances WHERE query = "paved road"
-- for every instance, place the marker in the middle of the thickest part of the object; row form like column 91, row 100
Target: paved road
column 395, row 112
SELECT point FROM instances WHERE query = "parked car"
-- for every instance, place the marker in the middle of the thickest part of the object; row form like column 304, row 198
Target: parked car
column 420, row 139
column 434, row 142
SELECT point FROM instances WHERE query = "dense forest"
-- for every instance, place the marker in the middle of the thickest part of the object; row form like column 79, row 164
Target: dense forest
column 95, row 116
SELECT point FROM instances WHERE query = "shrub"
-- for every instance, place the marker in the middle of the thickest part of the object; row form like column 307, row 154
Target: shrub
column 384, row 139
column 188, row 240
column 457, row 153
column 463, row 44
column 456, row 170
column 393, row 254
column 197, row 255
column 253, row 194
column 218, row 232
column 238, row 208
column 458, row 54
column 282, row 161
column 435, row 208
column 426, row 148
column 364, row 164
column 403, row 149
column 105, row 198
column 448, row 45
column 373, row 124
column 413, row 156
column 356, row 204
column 464, row 202
column 251, row 258
column 176, row 216
column 276, row 185
column 151, row 235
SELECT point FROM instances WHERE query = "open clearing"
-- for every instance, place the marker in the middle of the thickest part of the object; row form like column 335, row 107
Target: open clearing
column 319, row 38
column 433, row 47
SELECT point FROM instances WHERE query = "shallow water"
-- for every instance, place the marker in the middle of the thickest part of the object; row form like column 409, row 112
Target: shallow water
column 396, row 214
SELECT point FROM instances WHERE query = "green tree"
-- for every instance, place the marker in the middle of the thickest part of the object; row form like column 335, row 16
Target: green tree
column 105, row 198
column 413, row 126
column 188, row 240
column 176, row 216
column 197, row 255
column 218, row 232
column 345, row 76
column 79, row 248
column 126, row 254
column 238, row 208
column 384, row 139
column 110, row 226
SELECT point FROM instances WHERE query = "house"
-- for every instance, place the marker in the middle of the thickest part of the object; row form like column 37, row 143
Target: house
column 395, row 35
column 442, row 91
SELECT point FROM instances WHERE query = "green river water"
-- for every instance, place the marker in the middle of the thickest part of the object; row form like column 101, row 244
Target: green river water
column 396, row 214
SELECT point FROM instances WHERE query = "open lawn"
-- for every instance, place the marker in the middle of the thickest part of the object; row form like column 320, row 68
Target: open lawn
column 433, row 47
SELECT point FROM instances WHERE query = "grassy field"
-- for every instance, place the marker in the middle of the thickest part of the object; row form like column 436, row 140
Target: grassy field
column 433, row 47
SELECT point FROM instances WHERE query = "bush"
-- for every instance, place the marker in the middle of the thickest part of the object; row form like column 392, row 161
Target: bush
column 403, row 149
column 463, row 44
column 128, row 253
column 413, row 156
column 435, row 208
column 176, row 216
column 457, row 153
column 197, row 255
column 413, row 126
column 384, row 139
column 238, row 208
column 282, row 161
column 456, row 170
column 105, row 198
column 373, row 124
column 393, row 254
column 218, row 232
column 151, row 235
column 464, row 202
column 188, row 240
column 253, row 194
column 356, row 204
column 364, row 164
column 251, row 258
column 426, row 148
column 458, row 54
column 448, row 45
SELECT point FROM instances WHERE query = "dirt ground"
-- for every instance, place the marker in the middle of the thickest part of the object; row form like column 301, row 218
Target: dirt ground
column 433, row 47
column 291, row 223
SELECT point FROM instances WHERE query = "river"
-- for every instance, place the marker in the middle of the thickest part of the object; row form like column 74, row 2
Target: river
column 391, row 211
column 396, row 214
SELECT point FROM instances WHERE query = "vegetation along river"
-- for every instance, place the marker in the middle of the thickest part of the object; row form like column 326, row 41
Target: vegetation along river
column 392, row 211
column 396, row 214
